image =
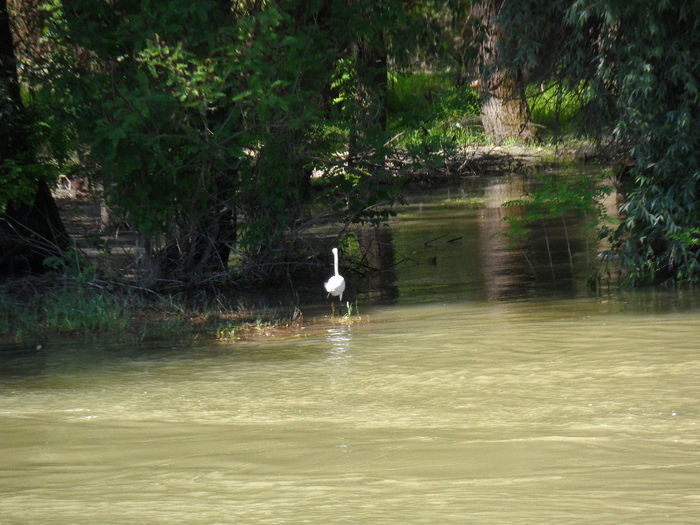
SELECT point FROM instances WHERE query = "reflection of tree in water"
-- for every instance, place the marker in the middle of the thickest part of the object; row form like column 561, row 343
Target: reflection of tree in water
column 553, row 255
column 377, row 251
column 504, row 269
column 461, row 251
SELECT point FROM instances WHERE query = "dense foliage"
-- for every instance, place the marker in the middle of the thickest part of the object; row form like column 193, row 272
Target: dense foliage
column 210, row 127
column 634, row 66
column 222, row 131
column 204, row 122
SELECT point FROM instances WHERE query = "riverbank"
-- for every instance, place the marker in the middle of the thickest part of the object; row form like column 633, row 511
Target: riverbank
column 488, row 160
column 36, row 310
column 100, row 295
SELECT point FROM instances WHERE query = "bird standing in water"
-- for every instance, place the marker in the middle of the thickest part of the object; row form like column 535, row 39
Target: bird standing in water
column 335, row 286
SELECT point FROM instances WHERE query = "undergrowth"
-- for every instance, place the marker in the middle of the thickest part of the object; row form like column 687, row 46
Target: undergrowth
column 34, row 310
column 60, row 310
column 428, row 114
column 557, row 113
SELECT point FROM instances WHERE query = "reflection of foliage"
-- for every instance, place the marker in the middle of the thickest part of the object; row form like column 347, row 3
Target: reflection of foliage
column 561, row 199
column 469, row 203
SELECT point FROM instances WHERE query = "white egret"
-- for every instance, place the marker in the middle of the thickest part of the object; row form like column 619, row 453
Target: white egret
column 335, row 286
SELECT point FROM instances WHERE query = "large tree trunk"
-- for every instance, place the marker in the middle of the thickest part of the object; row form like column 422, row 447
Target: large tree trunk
column 504, row 110
column 30, row 230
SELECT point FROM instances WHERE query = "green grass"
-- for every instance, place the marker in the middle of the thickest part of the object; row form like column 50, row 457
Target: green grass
column 429, row 117
column 60, row 310
column 556, row 113
column 432, row 114
column 35, row 310
column 83, row 311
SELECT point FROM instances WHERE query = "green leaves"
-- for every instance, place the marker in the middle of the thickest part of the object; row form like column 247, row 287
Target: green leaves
column 17, row 182
column 203, row 121
column 637, row 63
column 577, row 195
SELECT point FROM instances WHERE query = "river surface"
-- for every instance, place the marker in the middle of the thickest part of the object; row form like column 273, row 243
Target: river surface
column 467, row 392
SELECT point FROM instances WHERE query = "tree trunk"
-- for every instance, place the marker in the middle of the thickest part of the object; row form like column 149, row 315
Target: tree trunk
column 504, row 110
column 29, row 231
column 370, row 102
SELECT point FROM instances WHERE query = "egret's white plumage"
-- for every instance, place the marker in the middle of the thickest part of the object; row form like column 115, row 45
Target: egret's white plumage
column 335, row 286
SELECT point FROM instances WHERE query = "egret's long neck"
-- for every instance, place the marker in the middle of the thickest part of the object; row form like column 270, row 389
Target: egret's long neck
column 335, row 260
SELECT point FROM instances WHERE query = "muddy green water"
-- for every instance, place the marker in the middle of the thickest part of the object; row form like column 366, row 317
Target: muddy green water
column 498, row 401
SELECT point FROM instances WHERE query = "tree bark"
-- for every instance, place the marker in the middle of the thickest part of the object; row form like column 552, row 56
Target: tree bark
column 504, row 110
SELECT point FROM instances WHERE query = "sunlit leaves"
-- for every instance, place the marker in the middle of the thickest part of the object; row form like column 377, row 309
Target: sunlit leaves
column 559, row 197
